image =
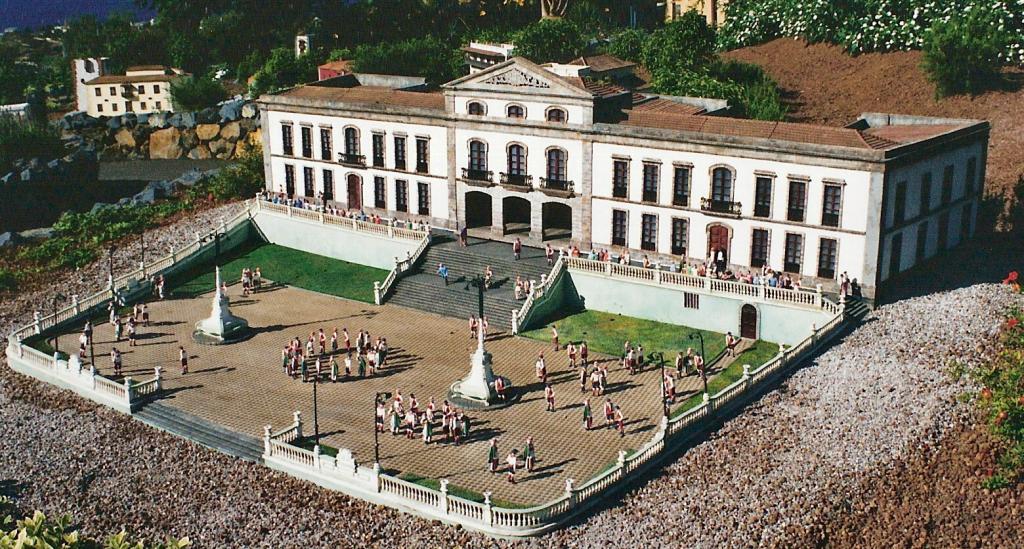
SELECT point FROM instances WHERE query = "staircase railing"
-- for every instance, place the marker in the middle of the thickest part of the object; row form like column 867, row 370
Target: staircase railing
column 381, row 290
column 534, row 294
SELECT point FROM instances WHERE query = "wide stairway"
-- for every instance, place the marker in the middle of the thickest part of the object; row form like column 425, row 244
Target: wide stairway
column 423, row 289
column 200, row 431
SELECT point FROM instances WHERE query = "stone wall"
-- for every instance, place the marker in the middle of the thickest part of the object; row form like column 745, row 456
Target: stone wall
column 224, row 132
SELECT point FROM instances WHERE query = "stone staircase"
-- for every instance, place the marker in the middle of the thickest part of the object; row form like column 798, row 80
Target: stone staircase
column 856, row 309
column 422, row 289
column 203, row 432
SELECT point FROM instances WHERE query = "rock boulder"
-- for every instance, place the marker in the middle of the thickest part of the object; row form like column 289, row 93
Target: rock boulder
column 125, row 138
column 230, row 131
column 165, row 144
column 206, row 132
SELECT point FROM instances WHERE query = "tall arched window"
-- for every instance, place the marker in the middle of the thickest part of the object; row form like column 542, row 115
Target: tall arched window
column 516, row 160
column 721, row 185
column 351, row 141
column 557, row 165
column 516, row 111
column 476, row 108
column 556, row 114
column 477, row 156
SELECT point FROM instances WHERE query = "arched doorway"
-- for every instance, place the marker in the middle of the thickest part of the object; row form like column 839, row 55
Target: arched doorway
column 515, row 215
column 718, row 244
column 355, row 192
column 478, row 210
column 556, row 221
column 748, row 322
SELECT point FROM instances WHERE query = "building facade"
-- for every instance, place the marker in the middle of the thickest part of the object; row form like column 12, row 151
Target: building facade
column 712, row 10
column 547, row 153
column 143, row 89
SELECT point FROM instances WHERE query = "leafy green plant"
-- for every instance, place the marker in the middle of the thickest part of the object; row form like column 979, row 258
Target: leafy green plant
column 429, row 57
column 961, row 55
column 8, row 280
column 550, row 40
column 20, row 139
column 196, row 93
column 283, row 70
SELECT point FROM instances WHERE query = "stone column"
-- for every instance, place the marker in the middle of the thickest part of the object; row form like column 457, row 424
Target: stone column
column 298, row 424
column 444, row 496
column 746, row 376
column 266, row 440
column 537, row 219
column 570, row 490
column 488, row 509
column 158, row 371
column 497, row 215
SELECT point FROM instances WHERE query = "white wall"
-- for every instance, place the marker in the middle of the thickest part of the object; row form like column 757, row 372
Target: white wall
column 536, row 153
column 536, row 111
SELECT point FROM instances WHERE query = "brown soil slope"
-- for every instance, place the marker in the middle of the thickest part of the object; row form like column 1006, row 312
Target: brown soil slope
column 823, row 84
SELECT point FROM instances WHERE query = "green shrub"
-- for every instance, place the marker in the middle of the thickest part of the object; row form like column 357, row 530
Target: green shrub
column 429, row 57
column 628, row 44
column 687, row 43
column 8, row 280
column 961, row 55
column 284, row 70
column 241, row 180
column 196, row 93
column 20, row 139
column 550, row 40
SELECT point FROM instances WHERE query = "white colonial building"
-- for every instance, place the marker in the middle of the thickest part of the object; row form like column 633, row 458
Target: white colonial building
column 142, row 89
column 551, row 153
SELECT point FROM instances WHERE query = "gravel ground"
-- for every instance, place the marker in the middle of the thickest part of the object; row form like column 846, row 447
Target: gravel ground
column 774, row 475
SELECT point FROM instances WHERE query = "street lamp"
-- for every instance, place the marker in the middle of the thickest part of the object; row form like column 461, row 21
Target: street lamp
column 316, row 417
column 57, row 298
column 703, row 366
column 215, row 236
column 110, row 271
column 376, row 433
column 664, row 396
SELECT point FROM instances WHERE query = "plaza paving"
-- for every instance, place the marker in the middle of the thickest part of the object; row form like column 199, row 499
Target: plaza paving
column 243, row 387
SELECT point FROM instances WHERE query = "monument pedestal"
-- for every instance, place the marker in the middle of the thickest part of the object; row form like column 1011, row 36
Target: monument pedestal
column 221, row 326
column 476, row 390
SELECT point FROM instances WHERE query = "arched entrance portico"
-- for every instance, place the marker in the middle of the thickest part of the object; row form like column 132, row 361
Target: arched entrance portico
column 719, row 240
column 355, row 192
column 478, row 210
column 515, row 215
column 556, row 220
column 748, row 322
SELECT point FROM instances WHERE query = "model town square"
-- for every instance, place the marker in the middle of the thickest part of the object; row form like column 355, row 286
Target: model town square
column 512, row 273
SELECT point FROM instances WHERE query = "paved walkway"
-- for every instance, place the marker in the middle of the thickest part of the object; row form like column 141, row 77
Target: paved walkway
column 243, row 387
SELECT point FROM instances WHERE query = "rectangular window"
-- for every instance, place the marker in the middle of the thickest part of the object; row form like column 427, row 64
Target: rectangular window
column 691, row 300
column 113, row 90
column 99, row 108
column 618, row 228
column 759, row 248
column 328, row 185
column 831, row 205
column 972, row 175
column 649, row 232
column 113, row 107
column 620, row 179
column 926, row 193
column 399, row 152
column 378, row 150
column 307, row 141
column 99, row 92
column 899, row 209
column 423, row 194
column 797, row 200
column 422, row 155
column 326, row 148
column 827, row 249
column 679, row 236
column 922, row 242
column 895, row 254
column 289, row 180
column 943, row 236
column 652, row 176
column 947, row 185
column 142, row 105
column 794, row 253
column 380, row 198
column 681, row 186
column 401, row 195
column 309, row 184
column 159, row 106
column 286, row 139
column 763, row 197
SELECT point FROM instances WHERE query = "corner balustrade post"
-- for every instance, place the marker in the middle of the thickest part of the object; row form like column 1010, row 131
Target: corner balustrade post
column 289, row 207
column 708, row 403
column 760, row 292
column 391, row 231
column 377, row 298
column 355, row 226
column 515, row 322
column 621, row 459
column 782, row 356
column 443, row 501
column 608, row 268
column 36, row 322
column 657, row 277
column 814, row 335
column 298, row 424
column 316, row 457
column 74, row 303
column 707, row 283
column 128, row 389
column 174, row 256
column 375, row 477
column 266, row 440
column 842, row 303
column 746, row 376
column 322, row 218
column 159, row 378
column 570, row 490
column 488, row 509
column 817, row 296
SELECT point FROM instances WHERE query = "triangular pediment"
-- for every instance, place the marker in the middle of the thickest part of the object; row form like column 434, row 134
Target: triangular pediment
column 521, row 76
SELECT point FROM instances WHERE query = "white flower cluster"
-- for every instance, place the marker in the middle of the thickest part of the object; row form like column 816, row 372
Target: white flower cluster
column 865, row 25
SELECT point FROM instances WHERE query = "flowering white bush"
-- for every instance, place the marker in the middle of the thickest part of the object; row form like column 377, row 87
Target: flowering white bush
column 865, row 25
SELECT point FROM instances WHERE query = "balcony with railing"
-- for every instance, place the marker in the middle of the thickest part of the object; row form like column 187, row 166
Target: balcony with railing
column 480, row 178
column 352, row 159
column 422, row 167
column 517, row 182
column 726, row 207
column 557, row 187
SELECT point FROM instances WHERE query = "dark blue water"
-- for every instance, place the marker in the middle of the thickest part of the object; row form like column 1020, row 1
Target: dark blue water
column 30, row 14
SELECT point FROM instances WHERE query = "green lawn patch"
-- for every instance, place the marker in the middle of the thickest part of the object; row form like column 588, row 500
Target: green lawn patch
column 606, row 332
column 306, row 443
column 761, row 352
column 458, row 491
column 291, row 267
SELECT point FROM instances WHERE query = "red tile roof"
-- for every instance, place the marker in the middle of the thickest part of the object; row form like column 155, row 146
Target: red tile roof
column 375, row 95
column 659, row 104
column 602, row 62
column 910, row 133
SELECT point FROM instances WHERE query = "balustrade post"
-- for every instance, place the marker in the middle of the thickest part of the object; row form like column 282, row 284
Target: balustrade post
column 608, row 268
column 289, row 206
column 159, row 378
column 817, row 296
column 746, row 376
column 782, row 356
column 321, row 217
column 316, row 457
column 75, row 304
column 488, row 509
column 708, row 403
column 707, row 283
column 375, row 477
column 391, row 231
column 570, row 490
column 515, row 322
column 355, row 226
column 657, row 277
column 174, row 257
column 760, row 292
column 266, row 440
column 36, row 322
column 814, row 335
column 621, row 459
column 443, row 501
column 377, row 298
column 842, row 303
column 128, row 390
column 298, row 424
